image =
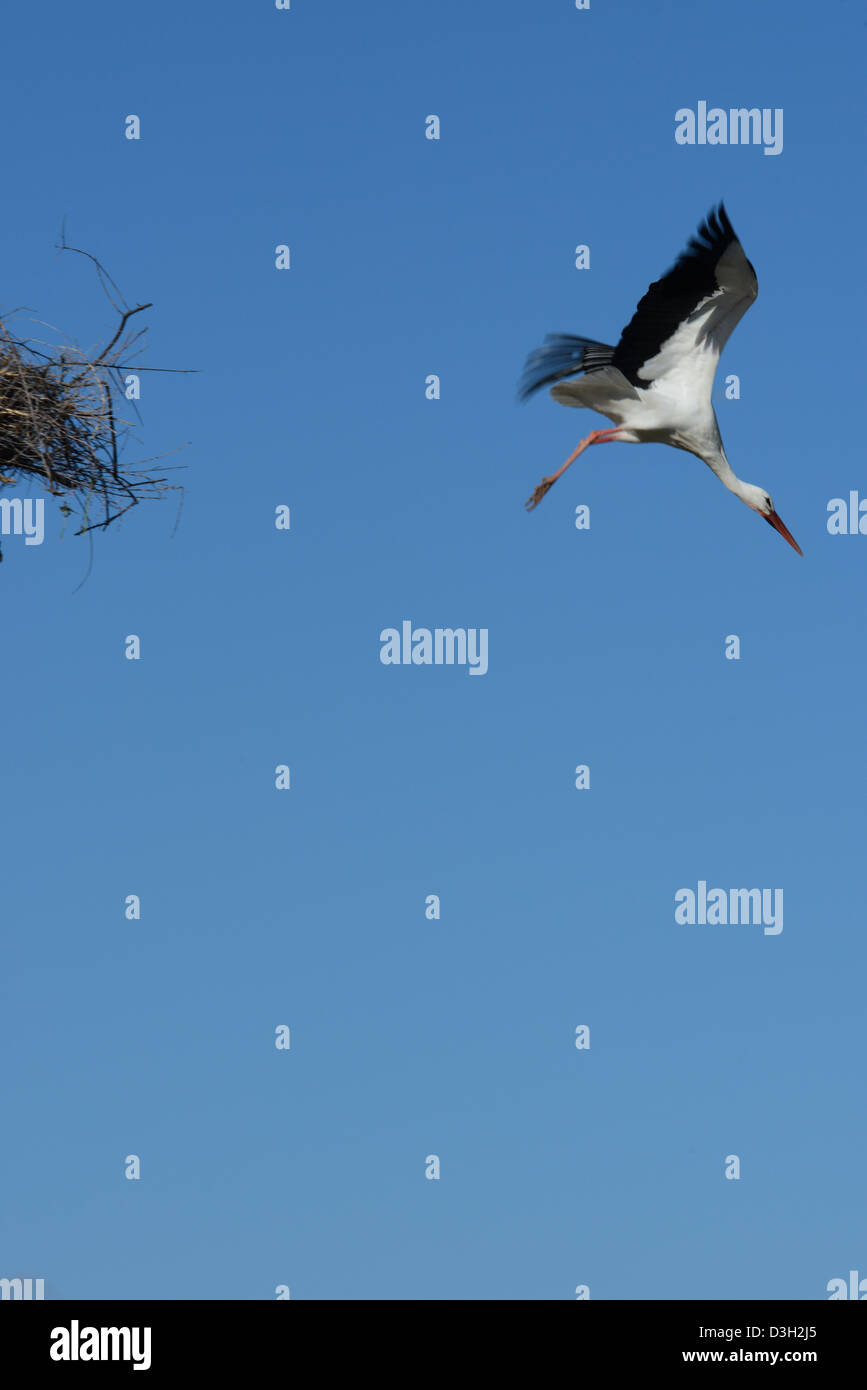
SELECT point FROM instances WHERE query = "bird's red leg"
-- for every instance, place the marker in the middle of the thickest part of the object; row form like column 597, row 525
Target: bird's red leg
column 595, row 437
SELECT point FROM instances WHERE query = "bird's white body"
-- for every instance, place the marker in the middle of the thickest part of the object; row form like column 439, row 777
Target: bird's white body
column 656, row 385
column 663, row 414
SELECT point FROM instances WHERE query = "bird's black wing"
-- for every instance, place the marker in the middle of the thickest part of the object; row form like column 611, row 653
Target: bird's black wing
column 712, row 268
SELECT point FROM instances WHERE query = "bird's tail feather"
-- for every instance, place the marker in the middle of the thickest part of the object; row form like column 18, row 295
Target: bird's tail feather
column 562, row 355
column 598, row 390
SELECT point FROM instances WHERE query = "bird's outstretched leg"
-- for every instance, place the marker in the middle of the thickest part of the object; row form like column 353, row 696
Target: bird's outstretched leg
column 595, row 437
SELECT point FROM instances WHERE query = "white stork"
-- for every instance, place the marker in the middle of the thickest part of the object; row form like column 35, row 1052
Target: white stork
column 656, row 384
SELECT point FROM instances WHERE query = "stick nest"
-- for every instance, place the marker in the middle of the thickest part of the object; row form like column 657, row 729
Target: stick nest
column 60, row 420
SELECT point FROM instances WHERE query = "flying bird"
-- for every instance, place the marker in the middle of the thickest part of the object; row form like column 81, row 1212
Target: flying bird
column 655, row 385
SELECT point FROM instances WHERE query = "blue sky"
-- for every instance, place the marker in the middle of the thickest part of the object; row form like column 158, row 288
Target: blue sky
column 455, row 1037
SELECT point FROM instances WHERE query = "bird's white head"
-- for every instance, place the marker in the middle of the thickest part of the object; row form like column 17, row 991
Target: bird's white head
column 758, row 499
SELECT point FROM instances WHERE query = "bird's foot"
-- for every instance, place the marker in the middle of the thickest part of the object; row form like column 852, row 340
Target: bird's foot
column 539, row 493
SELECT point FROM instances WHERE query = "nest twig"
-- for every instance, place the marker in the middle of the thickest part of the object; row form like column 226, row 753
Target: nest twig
column 60, row 419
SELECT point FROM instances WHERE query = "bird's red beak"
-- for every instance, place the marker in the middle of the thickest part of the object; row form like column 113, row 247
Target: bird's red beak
column 784, row 531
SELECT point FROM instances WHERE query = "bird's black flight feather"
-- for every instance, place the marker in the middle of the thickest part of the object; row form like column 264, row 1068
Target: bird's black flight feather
column 665, row 305
column 673, row 298
column 562, row 355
